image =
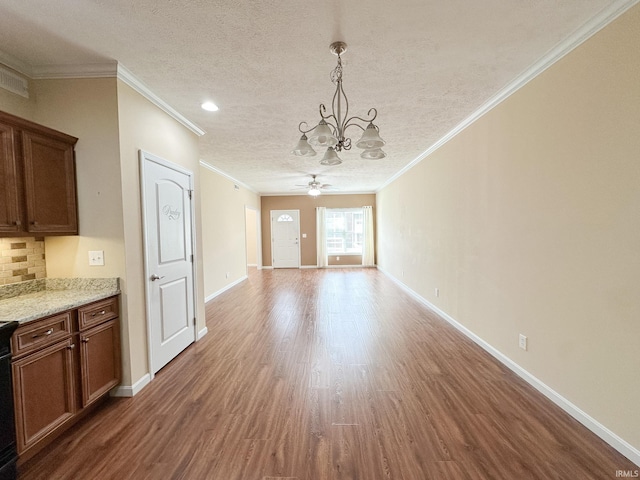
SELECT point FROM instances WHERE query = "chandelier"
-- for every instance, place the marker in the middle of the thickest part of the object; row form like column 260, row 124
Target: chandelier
column 330, row 130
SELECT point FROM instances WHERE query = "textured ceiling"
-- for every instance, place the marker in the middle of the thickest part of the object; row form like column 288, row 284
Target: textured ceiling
column 426, row 65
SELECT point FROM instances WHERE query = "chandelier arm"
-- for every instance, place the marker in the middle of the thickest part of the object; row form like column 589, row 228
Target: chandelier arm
column 365, row 120
column 304, row 131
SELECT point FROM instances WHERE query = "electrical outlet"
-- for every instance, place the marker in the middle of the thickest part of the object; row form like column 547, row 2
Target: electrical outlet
column 337, row 259
column 96, row 257
column 522, row 342
column 437, row 292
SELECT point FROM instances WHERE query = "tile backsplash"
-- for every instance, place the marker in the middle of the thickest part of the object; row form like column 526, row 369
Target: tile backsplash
column 21, row 258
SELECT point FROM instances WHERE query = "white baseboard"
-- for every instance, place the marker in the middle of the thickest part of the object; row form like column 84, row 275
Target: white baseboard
column 621, row 445
column 130, row 391
column 252, row 264
column 346, row 266
column 224, row 289
column 202, row 333
column 308, row 266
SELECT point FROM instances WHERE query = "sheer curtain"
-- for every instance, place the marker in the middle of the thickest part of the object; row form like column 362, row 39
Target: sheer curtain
column 368, row 250
column 321, row 238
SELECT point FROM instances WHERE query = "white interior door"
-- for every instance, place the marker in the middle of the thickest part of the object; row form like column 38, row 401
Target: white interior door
column 169, row 263
column 285, row 238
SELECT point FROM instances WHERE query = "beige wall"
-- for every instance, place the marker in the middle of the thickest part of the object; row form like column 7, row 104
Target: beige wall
column 143, row 126
column 307, row 206
column 87, row 109
column 223, row 230
column 529, row 222
column 251, row 219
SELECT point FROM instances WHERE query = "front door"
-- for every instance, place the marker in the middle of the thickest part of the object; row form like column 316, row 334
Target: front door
column 169, row 263
column 285, row 238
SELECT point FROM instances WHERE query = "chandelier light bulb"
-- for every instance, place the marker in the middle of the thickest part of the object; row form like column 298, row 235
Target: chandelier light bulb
column 370, row 138
column 303, row 149
column 373, row 154
column 321, row 136
column 330, row 158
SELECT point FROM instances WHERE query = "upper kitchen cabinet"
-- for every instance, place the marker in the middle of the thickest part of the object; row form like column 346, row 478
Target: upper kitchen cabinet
column 38, row 183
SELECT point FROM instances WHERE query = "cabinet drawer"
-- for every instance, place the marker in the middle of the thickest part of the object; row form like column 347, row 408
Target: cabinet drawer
column 97, row 312
column 41, row 333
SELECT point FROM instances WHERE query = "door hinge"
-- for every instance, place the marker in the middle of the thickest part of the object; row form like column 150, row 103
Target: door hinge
column 192, row 258
column 190, row 194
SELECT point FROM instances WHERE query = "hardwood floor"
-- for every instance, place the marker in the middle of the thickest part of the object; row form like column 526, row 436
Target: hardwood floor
column 329, row 374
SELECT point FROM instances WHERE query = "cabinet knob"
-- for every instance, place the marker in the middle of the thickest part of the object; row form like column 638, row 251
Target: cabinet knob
column 34, row 223
column 85, row 340
column 17, row 223
column 72, row 346
column 98, row 313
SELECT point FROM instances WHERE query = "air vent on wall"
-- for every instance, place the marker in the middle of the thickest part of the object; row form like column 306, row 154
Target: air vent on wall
column 14, row 83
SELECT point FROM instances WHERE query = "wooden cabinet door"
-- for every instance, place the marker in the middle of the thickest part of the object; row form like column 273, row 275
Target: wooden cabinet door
column 10, row 213
column 49, row 178
column 99, row 360
column 44, row 392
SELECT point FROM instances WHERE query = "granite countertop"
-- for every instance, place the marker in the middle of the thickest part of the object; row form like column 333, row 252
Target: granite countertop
column 26, row 301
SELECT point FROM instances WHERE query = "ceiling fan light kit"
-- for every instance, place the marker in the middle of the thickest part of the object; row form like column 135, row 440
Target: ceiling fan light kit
column 330, row 130
column 314, row 187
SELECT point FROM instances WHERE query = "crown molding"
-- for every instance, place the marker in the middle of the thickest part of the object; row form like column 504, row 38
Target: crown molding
column 208, row 166
column 15, row 63
column 304, row 194
column 586, row 31
column 127, row 77
column 97, row 70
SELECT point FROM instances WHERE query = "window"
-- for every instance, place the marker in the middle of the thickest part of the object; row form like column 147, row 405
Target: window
column 344, row 230
column 285, row 218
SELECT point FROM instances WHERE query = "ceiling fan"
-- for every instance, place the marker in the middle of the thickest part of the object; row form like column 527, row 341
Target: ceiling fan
column 314, row 187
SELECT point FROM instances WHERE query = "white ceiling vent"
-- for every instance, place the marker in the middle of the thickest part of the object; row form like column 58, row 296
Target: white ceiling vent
column 14, row 83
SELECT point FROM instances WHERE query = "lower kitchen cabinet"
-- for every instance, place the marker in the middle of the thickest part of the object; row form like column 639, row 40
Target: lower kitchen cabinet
column 44, row 392
column 99, row 360
column 62, row 365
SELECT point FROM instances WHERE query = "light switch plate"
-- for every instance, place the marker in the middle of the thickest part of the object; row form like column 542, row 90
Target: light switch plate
column 96, row 257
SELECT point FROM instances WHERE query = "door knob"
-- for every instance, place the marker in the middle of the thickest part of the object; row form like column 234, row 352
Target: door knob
column 155, row 277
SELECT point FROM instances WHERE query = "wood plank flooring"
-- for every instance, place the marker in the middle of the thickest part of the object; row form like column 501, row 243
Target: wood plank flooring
column 329, row 374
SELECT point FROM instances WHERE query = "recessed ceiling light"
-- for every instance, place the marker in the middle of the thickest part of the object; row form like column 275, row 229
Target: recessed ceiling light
column 209, row 107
